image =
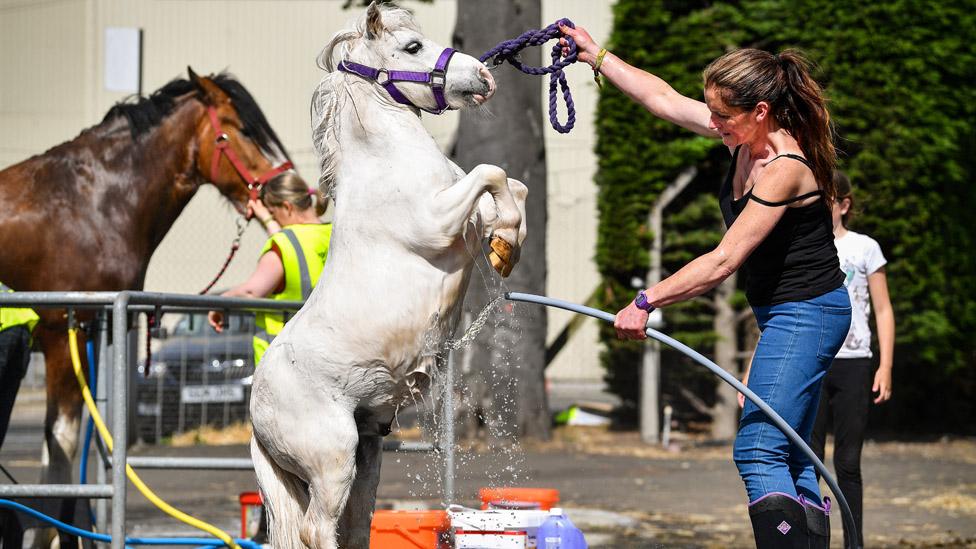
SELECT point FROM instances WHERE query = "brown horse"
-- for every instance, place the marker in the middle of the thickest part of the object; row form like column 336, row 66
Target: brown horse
column 88, row 214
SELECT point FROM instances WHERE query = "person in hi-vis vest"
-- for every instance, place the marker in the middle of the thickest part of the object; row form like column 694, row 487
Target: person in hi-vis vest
column 292, row 258
column 16, row 327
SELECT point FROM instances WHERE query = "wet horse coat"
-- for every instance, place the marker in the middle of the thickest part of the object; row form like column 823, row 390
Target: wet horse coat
column 408, row 224
column 87, row 214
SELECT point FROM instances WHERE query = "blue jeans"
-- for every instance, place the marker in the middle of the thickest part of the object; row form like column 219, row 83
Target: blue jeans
column 798, row 343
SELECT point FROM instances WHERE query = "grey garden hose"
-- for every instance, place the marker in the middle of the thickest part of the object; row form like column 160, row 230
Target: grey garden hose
column 726, row 377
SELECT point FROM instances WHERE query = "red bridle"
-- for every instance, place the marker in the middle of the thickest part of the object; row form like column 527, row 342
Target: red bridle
column 222, row 146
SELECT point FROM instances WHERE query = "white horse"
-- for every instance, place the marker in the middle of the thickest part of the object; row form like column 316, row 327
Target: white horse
column 408, row 224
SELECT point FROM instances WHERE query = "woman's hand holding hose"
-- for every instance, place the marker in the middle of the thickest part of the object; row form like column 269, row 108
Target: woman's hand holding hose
column 631, row 322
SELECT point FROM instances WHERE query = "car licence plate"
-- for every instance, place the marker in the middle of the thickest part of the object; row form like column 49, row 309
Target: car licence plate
column 149, row 409
column 195, row 394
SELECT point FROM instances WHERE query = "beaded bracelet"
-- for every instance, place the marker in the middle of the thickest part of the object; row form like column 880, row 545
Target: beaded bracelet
column 596, row 66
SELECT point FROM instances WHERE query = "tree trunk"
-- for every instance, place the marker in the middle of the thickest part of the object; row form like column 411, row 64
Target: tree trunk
column 725, row 412
column 505, row 377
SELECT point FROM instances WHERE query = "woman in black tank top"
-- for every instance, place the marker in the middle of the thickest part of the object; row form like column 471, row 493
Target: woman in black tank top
column 772, row 116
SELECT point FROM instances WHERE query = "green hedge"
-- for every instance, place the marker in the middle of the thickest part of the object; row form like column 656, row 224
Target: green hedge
column 899, row 77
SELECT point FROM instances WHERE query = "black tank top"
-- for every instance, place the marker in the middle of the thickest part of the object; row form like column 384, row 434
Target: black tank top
column 798, row 259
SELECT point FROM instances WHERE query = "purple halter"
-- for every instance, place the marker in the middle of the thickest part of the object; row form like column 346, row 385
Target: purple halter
column 436, row 79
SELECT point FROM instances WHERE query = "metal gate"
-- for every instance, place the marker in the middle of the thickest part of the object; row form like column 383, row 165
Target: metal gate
column 189, row 378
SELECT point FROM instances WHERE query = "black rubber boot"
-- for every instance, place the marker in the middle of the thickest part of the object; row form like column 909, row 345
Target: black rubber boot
column 779, row 521
column 818, row 523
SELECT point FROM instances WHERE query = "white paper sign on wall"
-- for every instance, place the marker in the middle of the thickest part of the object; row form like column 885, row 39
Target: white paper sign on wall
column 123, row 59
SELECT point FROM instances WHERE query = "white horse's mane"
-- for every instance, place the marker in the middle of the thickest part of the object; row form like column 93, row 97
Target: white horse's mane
column 332, row 92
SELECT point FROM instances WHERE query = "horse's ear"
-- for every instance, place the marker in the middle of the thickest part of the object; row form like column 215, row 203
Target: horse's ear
column 209, row 92
column 374, row 21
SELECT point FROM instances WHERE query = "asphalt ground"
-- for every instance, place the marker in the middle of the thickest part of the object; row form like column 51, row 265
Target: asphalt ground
column 622, row 493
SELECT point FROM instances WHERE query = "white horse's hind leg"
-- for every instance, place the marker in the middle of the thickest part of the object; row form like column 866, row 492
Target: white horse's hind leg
column 330, row 463
column 354, row 526
column 285, row 499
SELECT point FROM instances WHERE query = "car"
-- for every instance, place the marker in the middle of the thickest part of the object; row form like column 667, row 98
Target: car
column 195, row 377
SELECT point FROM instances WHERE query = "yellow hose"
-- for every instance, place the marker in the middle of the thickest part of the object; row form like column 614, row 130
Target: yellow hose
column 129, row 471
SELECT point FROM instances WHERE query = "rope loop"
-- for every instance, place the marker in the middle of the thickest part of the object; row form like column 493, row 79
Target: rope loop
column 234, row 246
column 508, row 51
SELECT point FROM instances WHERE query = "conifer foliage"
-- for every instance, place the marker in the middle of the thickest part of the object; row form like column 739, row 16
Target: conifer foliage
column 899, row 77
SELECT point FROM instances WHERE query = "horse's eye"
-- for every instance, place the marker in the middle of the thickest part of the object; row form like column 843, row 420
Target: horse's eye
column 413, row 47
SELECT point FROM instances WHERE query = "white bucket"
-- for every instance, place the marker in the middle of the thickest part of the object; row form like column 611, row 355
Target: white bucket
column 496, row 528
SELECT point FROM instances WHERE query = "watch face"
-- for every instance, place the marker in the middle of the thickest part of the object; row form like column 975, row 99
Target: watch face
column 641, row 300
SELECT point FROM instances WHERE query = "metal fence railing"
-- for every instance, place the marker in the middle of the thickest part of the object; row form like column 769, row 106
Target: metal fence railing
column 194, row 376
column 191, row 377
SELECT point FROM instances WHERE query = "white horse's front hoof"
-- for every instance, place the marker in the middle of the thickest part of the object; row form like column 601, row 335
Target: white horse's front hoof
column 501, row 256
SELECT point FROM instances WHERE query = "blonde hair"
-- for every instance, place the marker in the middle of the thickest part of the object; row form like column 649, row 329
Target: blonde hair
column 747, row 76
column 290, row 187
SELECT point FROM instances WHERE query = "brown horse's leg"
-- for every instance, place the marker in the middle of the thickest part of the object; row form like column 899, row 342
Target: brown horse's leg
column 63, row 418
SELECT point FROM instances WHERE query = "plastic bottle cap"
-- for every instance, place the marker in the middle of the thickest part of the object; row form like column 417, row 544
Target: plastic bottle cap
column 556, row 511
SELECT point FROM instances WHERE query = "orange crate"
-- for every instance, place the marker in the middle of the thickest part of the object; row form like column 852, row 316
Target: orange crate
column 410, row 530
column 519, row 498
column 251, row 508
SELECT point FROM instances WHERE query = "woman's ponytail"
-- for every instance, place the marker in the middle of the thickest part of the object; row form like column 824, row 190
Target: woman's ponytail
column 319, row 201
column 803, row 112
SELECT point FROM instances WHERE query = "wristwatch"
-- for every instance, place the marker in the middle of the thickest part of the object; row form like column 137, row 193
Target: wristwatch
column 642, row 303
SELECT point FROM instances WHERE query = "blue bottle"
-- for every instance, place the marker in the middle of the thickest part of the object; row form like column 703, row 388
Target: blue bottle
column 558, row 532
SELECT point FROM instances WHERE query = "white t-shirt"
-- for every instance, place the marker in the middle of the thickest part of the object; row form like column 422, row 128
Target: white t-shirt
column 860, row 256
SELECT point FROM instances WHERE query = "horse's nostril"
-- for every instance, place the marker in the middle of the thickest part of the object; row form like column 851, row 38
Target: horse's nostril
column 487, row 80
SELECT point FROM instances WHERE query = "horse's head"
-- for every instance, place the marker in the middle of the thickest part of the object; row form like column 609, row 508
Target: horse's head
column 388, row 47
column 238, row 150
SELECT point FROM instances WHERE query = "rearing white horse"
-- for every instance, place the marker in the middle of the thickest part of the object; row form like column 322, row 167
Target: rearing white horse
column 408, row 223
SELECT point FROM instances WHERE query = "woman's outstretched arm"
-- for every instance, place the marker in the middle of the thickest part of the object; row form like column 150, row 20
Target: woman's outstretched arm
column 269, row 275
column 651, row 92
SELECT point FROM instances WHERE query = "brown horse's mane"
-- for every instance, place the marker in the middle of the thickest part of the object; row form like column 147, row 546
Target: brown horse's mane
column 144, row 113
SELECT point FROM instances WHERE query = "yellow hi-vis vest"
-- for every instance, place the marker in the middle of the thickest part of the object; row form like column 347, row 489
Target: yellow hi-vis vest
column 10, row 317
column 303, row 248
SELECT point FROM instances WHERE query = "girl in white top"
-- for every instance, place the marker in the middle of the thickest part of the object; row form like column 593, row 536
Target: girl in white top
column 848, row 388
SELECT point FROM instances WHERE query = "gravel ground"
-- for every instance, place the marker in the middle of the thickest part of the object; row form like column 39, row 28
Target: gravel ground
column 623, row 494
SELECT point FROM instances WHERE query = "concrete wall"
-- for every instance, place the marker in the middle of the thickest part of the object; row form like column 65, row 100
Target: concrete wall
column 51, row 86
column 46, row 75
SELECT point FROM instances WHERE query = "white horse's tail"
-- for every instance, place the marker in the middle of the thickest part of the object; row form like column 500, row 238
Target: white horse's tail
column 285, row 499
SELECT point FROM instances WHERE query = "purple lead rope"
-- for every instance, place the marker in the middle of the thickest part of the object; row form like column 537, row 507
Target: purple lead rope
column 509, row 49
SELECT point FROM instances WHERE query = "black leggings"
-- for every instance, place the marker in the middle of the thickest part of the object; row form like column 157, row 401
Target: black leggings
column 845, row 398
column 14, row 358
